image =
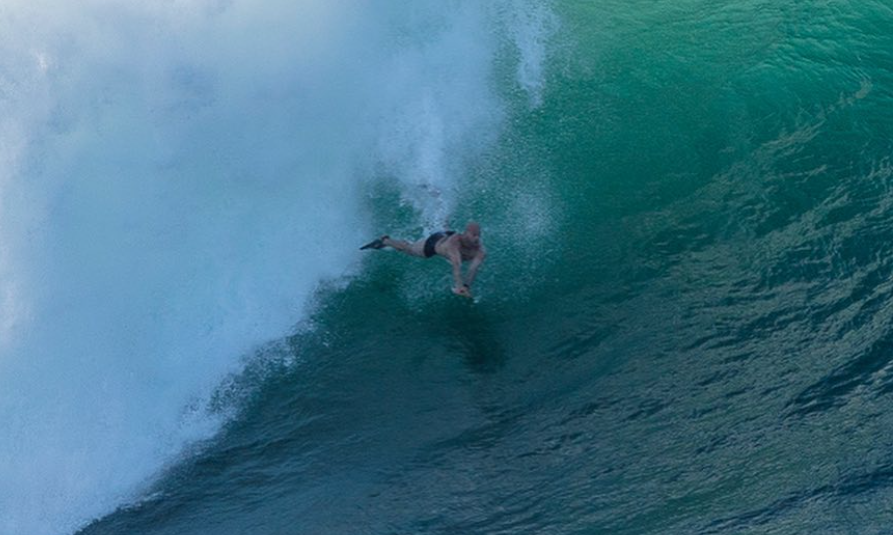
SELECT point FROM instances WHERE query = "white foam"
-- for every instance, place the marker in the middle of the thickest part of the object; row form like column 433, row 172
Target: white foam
column 175, row 181
column 532, row 25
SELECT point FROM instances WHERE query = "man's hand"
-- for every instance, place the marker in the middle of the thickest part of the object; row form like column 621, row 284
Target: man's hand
column 463, row 291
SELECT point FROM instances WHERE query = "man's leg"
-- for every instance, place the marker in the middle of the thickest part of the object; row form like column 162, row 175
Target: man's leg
column 416, row 248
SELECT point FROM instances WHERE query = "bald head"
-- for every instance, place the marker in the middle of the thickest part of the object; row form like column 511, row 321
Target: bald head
column 472, row 235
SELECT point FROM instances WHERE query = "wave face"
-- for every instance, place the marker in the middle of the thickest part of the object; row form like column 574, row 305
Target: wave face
column 683, row 324
column 177, row 181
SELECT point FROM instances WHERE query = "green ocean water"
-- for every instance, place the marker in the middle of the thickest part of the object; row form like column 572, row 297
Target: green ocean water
column 683, row 325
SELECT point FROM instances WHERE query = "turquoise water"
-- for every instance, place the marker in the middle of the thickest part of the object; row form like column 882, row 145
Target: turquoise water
column 683, row 325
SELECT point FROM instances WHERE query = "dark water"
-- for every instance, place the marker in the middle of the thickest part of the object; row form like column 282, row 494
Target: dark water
column 685, row 324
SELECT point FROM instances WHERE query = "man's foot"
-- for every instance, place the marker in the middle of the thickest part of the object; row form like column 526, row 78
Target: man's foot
column 464, row 291
column 375, row 244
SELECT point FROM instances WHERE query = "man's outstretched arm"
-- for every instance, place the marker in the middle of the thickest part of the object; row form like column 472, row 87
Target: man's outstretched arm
column 456, row 262
column 473, row 268
column 458, row 287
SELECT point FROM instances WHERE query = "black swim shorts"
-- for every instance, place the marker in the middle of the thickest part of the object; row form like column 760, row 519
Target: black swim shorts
column 432, row 240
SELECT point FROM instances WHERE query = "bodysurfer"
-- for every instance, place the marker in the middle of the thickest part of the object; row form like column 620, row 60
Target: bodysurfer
column 454, row 246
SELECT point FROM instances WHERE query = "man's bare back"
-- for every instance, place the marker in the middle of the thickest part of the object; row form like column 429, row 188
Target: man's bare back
column 453, row 246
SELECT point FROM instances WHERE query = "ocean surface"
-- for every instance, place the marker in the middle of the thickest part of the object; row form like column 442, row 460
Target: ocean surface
column 684, row 324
